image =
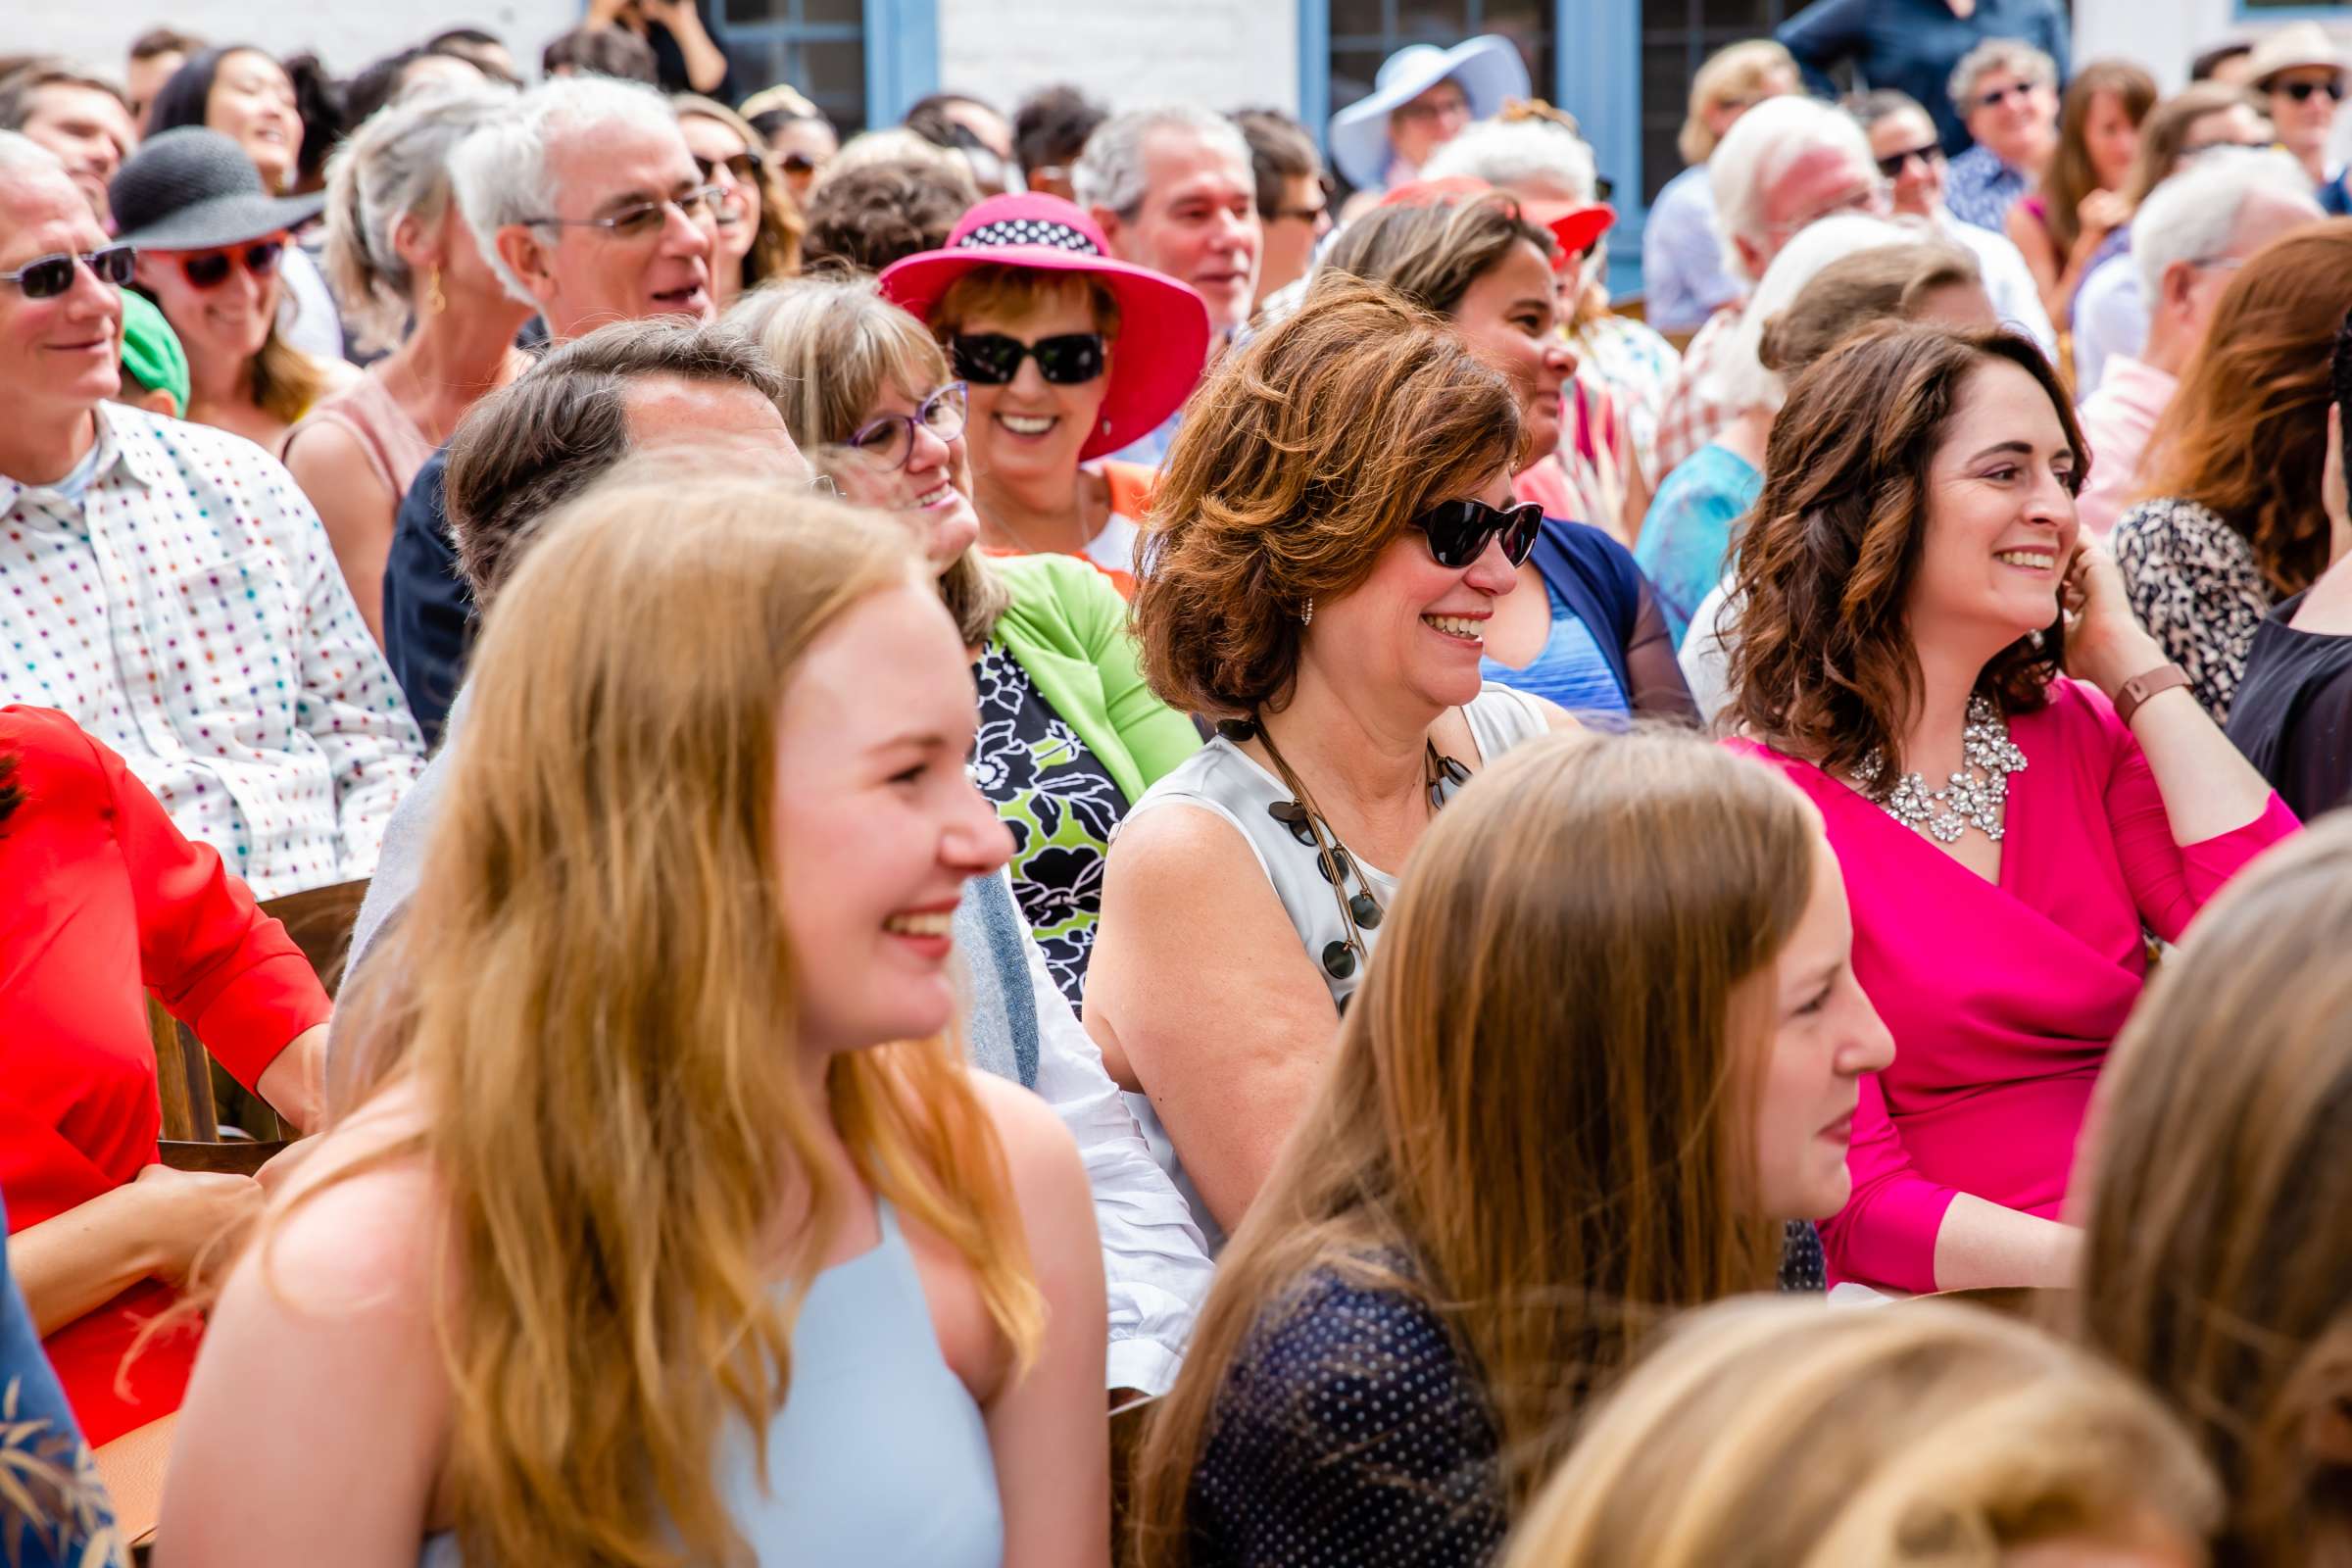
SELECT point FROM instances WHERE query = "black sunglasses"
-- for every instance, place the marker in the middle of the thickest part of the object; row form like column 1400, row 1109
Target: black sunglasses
column 745, row 167
column 1892, row 164
column 990, row 359
column 45, row 277
column 2301, row 91
column 1459, row 531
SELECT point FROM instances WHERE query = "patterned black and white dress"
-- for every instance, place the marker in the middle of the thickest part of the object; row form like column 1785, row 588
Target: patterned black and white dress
column 2193, row 581
column 1060, row 804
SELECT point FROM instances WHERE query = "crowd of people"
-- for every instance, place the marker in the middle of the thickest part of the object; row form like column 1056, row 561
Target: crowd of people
column 1078, row 840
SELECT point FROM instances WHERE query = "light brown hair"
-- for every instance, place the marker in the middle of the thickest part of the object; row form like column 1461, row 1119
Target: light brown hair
column 2216, row 1259
column 1016, row 293
column 2167, row 127
column 1431, row 254
column 1822, row 666
column 2072, row 176
column 2246, row 433
column 593, row 996
column 840, row 346
column 1741, row 70
column 1884, row 283
column 777, row 248
column 1771, row 1434
column 1549, row 1179
column 1299, row 459
column 286, row 382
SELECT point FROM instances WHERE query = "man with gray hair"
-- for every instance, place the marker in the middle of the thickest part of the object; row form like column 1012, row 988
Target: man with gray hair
column 1785, row 164
column 2188, row 239
column 2006, row 92
column 586, row 202
column 83, row 117
column 1174, row 190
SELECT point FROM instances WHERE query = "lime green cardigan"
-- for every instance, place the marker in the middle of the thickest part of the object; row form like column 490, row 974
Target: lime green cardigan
column 1067, row 628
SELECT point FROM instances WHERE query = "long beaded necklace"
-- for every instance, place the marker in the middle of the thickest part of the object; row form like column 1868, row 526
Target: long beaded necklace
column 1975, row 797
column 1361, row 911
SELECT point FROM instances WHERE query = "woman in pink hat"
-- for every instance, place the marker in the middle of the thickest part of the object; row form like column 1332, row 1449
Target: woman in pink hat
column 1068, row 355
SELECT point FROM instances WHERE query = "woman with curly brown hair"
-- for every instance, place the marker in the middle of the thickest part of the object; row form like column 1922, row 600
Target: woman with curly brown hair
column 2235, row 461
column 2215, row 1259
column 1918, row 604
column 1325, row 547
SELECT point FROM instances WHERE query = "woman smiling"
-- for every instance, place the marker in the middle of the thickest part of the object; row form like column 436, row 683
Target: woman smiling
column 1069, row 354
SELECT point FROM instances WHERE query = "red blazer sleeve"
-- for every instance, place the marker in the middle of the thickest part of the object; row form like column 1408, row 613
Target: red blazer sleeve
column 206, row 949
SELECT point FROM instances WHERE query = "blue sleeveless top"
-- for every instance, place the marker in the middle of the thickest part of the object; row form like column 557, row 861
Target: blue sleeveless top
column 880, row 1456
column 1569, row 670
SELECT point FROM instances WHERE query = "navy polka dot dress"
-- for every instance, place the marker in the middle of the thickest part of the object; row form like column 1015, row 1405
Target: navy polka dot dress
column 1350, row 1431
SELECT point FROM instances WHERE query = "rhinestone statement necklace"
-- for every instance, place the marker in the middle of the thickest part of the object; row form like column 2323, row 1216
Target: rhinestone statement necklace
column 1975, row 798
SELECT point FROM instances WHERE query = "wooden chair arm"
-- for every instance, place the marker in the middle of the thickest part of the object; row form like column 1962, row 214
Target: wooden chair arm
column 241, row 1157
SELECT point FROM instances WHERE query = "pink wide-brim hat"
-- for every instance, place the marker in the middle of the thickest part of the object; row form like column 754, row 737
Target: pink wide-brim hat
column 1162, row 341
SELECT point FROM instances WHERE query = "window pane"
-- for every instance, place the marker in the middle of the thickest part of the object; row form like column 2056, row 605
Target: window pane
column 839, row 12
column 1351, row 18
column 835, row 77
column 742, row 13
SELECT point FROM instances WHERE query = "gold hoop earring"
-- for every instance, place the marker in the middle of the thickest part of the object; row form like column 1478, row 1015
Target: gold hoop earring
column 434, row 300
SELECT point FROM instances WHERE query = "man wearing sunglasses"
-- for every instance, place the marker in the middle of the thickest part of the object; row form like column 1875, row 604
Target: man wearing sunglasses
column 169, row 587
column 586, row 202
column 2006, row 92
column 1912, row 46
column 2301, row 72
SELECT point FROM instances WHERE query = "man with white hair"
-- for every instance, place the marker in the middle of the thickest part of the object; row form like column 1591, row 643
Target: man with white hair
column 168, row 588
column 2006, row 94
column 2188, row 239
column 1785, row 164
column 1173, row 189
column 586, row 202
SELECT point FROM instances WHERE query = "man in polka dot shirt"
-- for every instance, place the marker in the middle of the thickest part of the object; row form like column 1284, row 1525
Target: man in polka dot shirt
column 168, row 586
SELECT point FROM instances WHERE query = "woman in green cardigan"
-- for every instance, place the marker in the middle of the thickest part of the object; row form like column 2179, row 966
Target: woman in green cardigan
column 1070, row 733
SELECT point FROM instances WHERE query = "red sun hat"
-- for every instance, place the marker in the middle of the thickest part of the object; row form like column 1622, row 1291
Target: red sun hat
column 1572, row 226
column 1162, row 341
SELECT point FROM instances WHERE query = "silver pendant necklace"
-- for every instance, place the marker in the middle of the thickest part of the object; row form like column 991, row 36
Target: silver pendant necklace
column 1977, row 797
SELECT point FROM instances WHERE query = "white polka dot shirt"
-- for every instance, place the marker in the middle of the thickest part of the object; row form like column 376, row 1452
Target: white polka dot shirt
column 187, row 610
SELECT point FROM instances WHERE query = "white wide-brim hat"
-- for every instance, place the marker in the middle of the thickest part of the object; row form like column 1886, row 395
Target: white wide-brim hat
column 1489, row 68
column 2298, row 43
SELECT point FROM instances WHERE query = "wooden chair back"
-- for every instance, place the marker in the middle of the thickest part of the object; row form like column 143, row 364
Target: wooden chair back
column 193, row 1089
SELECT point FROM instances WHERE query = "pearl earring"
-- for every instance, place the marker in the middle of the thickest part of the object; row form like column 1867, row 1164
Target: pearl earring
column 1307, row 617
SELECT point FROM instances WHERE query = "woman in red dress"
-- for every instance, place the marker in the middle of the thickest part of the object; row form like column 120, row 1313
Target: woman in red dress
column 105, row 902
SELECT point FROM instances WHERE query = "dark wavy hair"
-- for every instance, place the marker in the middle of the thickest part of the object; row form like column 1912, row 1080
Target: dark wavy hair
column 1822, row 663
column 1299, row 459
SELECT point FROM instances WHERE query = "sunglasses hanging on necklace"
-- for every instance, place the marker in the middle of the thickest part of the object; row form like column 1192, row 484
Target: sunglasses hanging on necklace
column 1361, row 911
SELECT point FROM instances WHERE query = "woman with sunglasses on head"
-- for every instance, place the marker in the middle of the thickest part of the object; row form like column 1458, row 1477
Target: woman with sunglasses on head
column 1916, row 604
column 1333, row 532
column 797, row 135
column 1610, row 1045
column 1070, row 736
column 210, row 242
column 1069, row 354
column 412, row 277
column 759, row 226
column 1585, row 632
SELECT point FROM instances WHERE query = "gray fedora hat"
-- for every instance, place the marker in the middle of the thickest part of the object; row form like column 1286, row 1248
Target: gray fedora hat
column 194, row 189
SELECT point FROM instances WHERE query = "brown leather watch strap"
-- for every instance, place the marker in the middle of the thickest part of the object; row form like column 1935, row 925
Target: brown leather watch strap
column 2139, row 688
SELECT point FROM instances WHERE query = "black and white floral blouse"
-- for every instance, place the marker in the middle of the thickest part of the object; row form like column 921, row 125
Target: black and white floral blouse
column 2193, row 581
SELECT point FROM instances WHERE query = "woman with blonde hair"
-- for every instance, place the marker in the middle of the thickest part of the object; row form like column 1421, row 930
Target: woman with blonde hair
column 1070, row 735
column 1683, row 277
column 1329, row 540
column 1494, row 1198
column 2216, row 1267
column 1768, row 1434
column 760, row 224
column 664, row 1219
column 412, row 279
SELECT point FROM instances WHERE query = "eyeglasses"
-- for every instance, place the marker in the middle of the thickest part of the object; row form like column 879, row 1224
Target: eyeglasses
column 1893, row 164
column 2218, row 263
column 889, row 441
column 992, row 359
column 45, row 277
column 211, row 269
column 640, row 219
column 2301, row 91
column 1995, row 97
column 1459, row 531
column 747, row 166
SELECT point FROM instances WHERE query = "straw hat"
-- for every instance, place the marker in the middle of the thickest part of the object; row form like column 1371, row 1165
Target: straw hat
column 2298, row 43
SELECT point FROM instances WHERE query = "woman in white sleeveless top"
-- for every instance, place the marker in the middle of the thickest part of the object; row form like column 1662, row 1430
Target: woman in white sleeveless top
column 1327, row 541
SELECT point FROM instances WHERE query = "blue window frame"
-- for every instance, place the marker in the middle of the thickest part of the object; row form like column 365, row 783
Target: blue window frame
column 863, row 62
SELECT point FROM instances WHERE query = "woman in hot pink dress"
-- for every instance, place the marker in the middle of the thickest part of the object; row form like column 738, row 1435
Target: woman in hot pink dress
column 1918, row 606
